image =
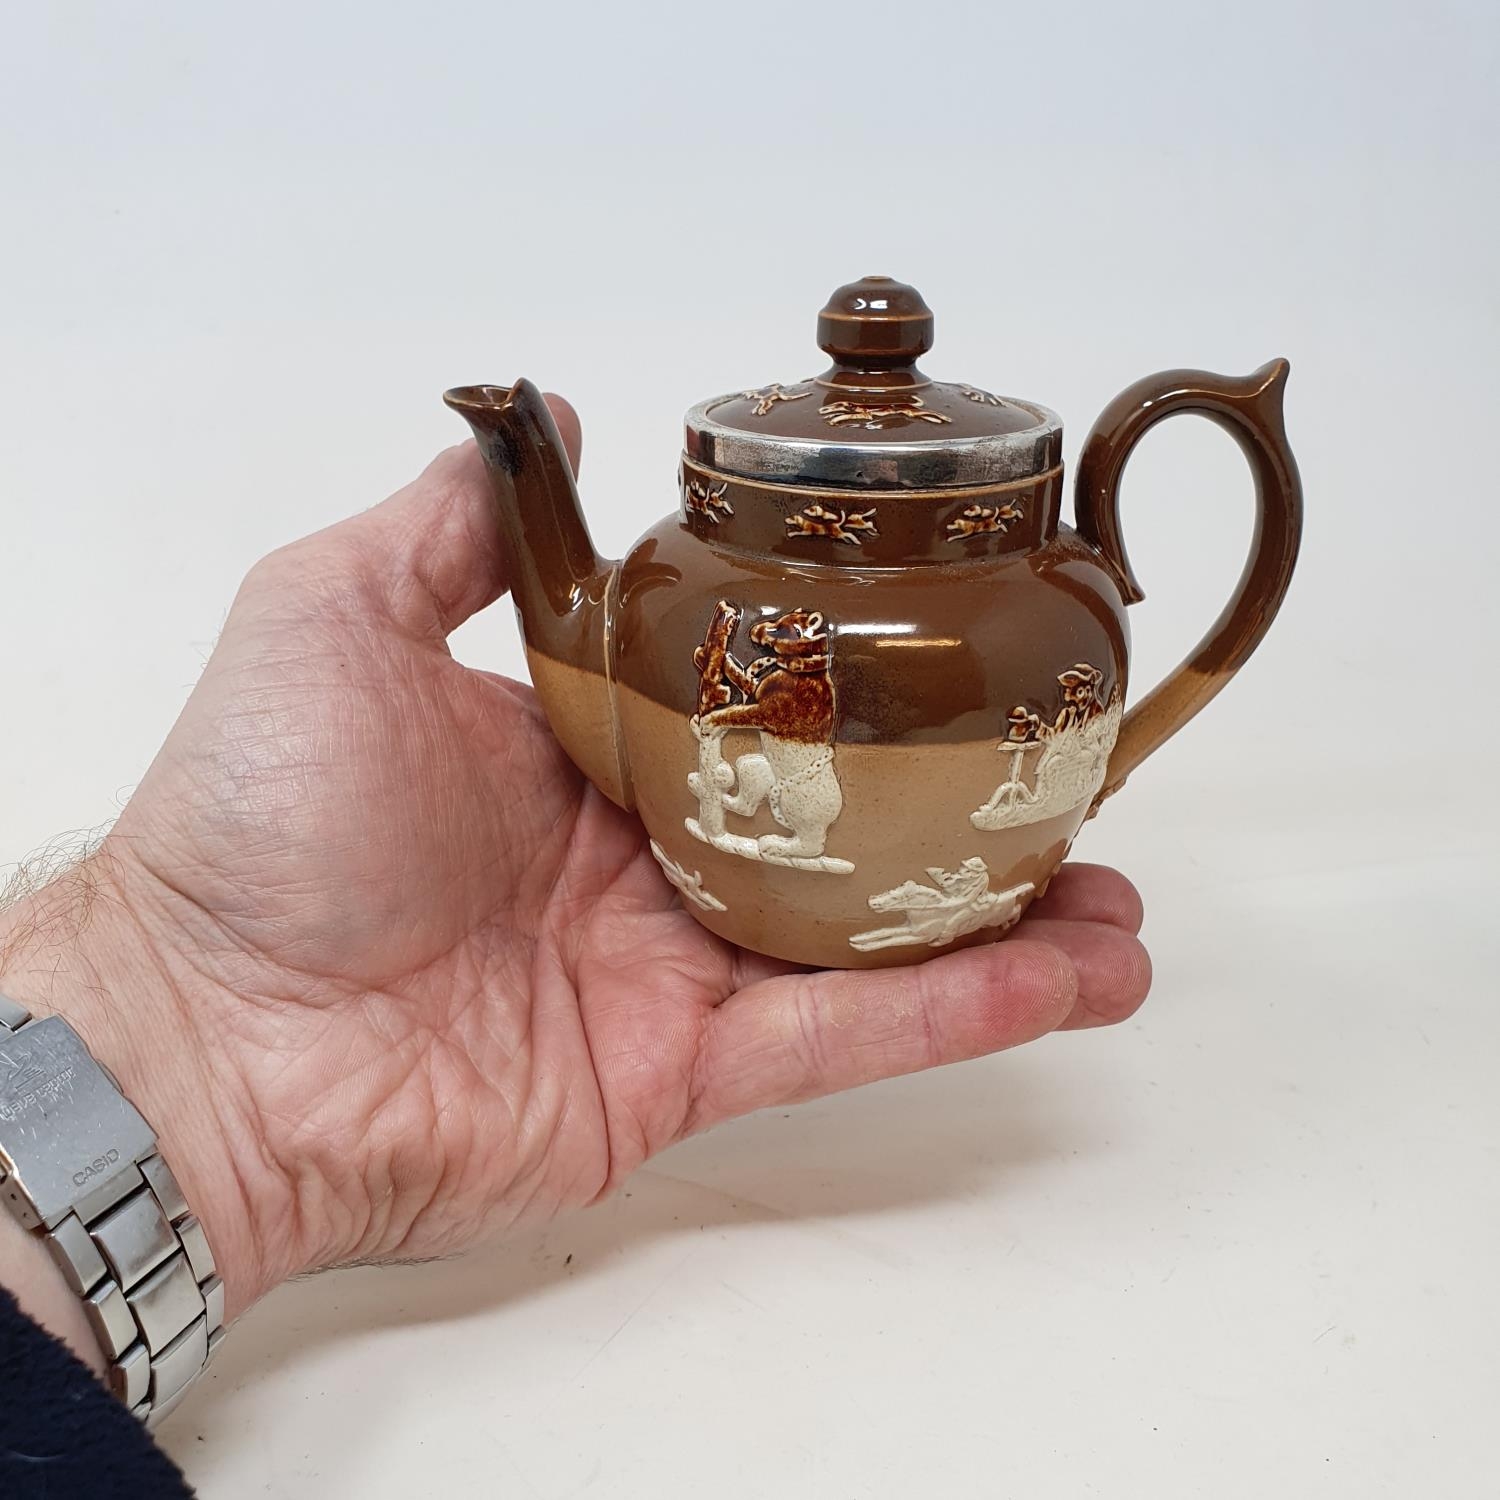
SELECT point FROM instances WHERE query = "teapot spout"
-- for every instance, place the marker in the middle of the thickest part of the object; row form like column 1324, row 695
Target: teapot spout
column 562, row 588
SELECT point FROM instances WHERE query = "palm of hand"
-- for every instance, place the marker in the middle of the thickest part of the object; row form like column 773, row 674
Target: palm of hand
column 448, row 971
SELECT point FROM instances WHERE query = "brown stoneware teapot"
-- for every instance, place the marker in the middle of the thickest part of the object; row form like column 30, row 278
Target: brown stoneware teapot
column 863, row 687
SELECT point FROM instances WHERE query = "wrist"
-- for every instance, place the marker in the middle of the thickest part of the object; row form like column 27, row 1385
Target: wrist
column 80, row 948
column 28, row 1274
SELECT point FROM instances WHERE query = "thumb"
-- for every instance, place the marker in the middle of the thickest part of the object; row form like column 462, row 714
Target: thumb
column 569, row 428
column 439, row 536
column 431, row 555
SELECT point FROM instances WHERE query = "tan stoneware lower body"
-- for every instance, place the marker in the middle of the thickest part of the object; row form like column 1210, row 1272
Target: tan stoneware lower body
column 906, row 813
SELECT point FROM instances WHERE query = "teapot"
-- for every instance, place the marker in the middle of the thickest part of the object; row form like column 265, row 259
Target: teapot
column 863, row 687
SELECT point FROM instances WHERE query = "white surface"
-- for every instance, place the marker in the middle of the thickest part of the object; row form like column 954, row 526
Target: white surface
column 1242, row 1246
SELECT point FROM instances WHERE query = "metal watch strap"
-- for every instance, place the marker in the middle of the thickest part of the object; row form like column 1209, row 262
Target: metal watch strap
column 116, row 1223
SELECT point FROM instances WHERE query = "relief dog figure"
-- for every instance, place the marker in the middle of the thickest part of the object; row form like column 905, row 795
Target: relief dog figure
column 957, row 903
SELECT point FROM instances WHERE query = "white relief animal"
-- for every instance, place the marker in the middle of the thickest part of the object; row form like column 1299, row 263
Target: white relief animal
column 957, row 902
column 788, row 699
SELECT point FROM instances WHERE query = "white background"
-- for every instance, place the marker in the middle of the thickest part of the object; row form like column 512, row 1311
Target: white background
column 1242, row 1246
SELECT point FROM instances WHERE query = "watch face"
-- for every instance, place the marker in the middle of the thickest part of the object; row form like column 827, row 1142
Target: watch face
column 65, row 1129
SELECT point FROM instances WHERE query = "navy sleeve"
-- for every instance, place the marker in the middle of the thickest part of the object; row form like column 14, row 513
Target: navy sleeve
column 62, row 1435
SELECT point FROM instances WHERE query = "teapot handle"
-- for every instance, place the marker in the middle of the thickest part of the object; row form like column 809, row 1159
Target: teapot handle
column 1249, row 407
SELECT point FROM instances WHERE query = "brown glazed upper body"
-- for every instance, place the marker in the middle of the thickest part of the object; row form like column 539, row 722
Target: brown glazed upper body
column 863, row 687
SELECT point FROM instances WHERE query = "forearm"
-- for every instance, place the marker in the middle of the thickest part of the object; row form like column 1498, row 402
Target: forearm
column 26, row 1270
column 76, row 949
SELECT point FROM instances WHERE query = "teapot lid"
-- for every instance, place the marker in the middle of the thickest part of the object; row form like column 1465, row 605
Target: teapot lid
column 873, row 420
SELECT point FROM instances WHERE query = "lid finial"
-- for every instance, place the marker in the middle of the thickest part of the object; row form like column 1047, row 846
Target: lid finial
column 875, row 323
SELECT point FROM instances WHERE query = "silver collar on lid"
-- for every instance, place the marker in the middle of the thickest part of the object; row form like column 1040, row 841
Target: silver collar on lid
column 840, row 462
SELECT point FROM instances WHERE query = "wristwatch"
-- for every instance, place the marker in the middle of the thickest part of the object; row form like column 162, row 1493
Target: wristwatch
column 80, row 1169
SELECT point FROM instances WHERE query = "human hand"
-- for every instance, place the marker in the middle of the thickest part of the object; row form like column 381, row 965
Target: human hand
column 387, row 975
